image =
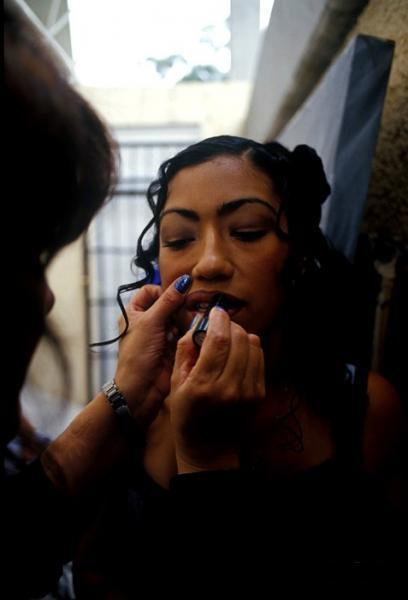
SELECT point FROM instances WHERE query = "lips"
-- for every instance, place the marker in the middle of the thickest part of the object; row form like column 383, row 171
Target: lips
column 199, row 301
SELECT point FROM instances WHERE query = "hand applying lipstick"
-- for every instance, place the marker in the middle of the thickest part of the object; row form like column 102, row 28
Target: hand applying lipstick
column 200, row 329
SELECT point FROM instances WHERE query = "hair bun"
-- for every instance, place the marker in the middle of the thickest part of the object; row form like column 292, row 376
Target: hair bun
column 307, row 170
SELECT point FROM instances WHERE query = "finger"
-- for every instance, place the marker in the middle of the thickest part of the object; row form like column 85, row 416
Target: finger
column 233, row 375
column 144, row 298
column 253, row 387
column 140, row 302
column 254, row 340
column 185, row 359
column 259, row 358
column 255, row 375
column 216, row 346
column 169, row 301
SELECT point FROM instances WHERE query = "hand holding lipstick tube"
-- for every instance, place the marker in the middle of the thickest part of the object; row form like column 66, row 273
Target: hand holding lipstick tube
column 213, row 392
column 200, row 329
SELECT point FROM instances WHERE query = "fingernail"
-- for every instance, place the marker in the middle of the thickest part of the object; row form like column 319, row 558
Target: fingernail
column 183, row 284
column 215, row 314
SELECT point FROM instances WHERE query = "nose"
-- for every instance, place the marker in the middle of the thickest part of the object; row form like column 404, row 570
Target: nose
column 49, row 298
column 214, row 261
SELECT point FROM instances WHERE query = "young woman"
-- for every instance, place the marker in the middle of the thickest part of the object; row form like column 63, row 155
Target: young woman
column 267, row 436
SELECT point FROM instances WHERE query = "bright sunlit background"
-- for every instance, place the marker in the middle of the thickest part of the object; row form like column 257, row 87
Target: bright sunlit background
column 133, row 42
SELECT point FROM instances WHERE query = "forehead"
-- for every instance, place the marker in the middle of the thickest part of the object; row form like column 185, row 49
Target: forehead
column 219, row 180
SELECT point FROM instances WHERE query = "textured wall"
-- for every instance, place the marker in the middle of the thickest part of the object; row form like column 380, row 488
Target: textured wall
column 387, row 208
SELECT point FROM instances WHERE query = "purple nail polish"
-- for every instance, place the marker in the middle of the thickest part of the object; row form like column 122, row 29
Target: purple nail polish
column 183, row 284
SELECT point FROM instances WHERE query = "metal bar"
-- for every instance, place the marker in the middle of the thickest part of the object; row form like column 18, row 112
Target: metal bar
column 66, row 61
column 60, row 24
column 102, row 302
column 53, row 13
column 117, row 250
column 131, row 193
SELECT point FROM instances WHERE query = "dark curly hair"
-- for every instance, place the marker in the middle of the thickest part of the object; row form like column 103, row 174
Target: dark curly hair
column 300, row 203
column 317, row 278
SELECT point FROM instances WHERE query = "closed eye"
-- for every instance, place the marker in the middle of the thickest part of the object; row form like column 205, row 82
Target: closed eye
column 249, row 235
column 177, row 244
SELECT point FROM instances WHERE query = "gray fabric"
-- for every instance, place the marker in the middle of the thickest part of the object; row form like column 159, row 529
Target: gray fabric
column 341, row 121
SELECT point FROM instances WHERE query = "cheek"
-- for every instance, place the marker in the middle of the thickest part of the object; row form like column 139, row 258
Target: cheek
column 268, row 280
column 269, row 266
column 169, row 269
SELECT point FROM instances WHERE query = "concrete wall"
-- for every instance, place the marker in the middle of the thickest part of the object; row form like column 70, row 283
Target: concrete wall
column 387, row 211
column 244, row 24
column 47, row 400
column 68, row 320
column 286, row 40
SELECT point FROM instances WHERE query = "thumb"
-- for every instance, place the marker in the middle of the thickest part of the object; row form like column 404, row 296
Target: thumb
column 170, row 300
column 185, row 359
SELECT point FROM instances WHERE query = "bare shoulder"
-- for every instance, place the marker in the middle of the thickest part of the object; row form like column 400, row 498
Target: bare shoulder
column 383, row 423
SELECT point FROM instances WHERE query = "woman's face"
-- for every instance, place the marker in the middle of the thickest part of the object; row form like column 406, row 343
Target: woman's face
column 219, row 225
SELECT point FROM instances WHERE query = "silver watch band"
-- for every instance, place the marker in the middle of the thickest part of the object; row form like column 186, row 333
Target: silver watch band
column 117, row 400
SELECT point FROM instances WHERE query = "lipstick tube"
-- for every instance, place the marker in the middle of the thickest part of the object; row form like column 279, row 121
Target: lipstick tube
column 200, row 330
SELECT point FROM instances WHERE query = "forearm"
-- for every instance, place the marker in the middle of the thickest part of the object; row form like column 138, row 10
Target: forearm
column 87, row 450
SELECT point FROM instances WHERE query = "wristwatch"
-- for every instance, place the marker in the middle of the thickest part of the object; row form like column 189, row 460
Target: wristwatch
column 118, row 402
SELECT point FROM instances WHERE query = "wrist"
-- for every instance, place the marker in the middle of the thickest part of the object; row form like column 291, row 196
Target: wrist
column 187, row 463
column 140, row 398
column 134, row 402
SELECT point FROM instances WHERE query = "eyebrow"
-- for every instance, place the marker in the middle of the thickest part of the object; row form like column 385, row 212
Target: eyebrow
column 226, row 208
